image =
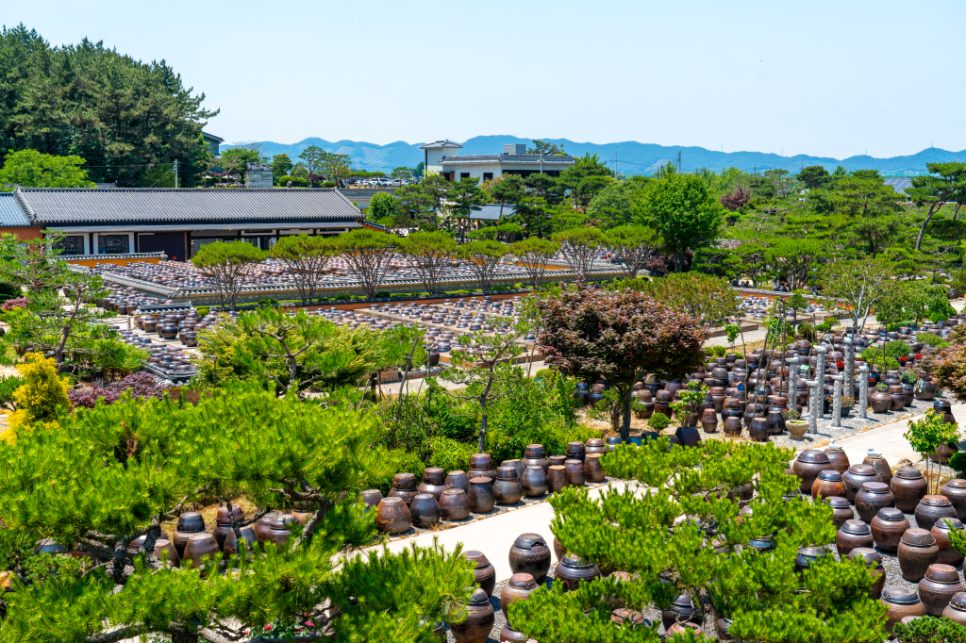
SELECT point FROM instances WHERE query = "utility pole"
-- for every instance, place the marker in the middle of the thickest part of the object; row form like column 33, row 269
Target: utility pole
column 679, row 161
column 176, row 173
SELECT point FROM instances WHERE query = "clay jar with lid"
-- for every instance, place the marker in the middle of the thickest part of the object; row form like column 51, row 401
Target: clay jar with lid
column 841, row 510
column 948, row 555
column 481, row 466
column 434, row 482
column 807, row 556
column 573, row 570
column 901, row 603
column 201, row 548
column 808, row 465
column 261, row 525
column 371, row 497
column 873, row 497
column 887, row 528
column 279, row 529
column 595, row 445
column 506, row 487
column 909, row 487
column 855, row 477
column 828, row 484
column 393, row 515
column 535, row 456
column 481, row 496
column 557, row 478
column 575, row 473
column 424, row 511
column 880, row 464
column 874, row 562
column 955, row 490
column 223, row 522
column 518, row 588
column 938, row 587
column 932, row 508
column 530, row 555
column 534, row 482
column 458, row 480
column 484, row 572
column 454, row 505
column 189, row 524
column 593, row 470
column 404, row 487
column 683, row 610
column 917, row 551
column 478, row 621
column 838, row 458
column 956, row 610
column 576, row 451
column 854, row 533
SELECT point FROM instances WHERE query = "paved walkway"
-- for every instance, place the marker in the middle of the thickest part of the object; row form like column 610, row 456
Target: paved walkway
column 889, row 440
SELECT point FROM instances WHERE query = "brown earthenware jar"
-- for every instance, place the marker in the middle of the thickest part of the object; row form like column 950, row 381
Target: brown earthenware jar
column 223, row 522
column 881, row 466
column 871, row 498
column 434, row 482
column 808, row 465
column 534, row 482
column 955, row 490
column 683, row 610
column 841, row 510
column 530, row 555
column 458, row 480
column 595, row 445
column 938, row 587
column 164, row 549
column 828, row 484
column 709, row 421
column 516, row 464
column 479, row 620
column 231, row 542
column 732, row 425
column 881, row 402
column 838, row 458
column 404, row 487
column 917, row 551
column 856, row 475
column 557, row 478
column 535, row 456
column 481, row 496
column 371, row 497
column 510, row 635
column 948, row 555
column 481, row 466
column 424, row 511
column 279, row 529
column 518, row 588
column 200, row 548
column 575, row 473
column 484, row 572
column 556, row 461
column 506, row 487
column 854, row 533
column 681, row 628
column 573, row 570
column 956, row 610
column 189, row 524
column 393, row 516
column 559, row 549
column 874, row 562
column 261, row 525
column 576, row 451
column 454, row 505
column 887, row 528
column 933, row 508
column 807, row 556
column 593, row 470
column 901, row 602
column 909, row 487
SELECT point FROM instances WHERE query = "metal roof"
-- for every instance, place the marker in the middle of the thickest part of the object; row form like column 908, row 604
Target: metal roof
column 509, row 159
column 12, row 213
column 445, row 143
column 491, row 212
column 78, row 206
column 179, row 227
column 211, row 137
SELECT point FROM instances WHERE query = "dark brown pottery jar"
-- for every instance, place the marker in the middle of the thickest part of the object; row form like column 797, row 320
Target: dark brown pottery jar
column 510, row 635
column 841, row 510
column 189, row 524
column 880, row 464
column 956, row 610
column 518, row 588
column 454, row 505
column 481, row 466
column 530, row 555
column 393, row 515
column 200, row 548
column 732, row 425
column 873, row 497
column 874, row 562
column 932, row 508
column 955, row 490
column 948, row 555
column 481, row 496
column 279, row 529
column 261, row 525
column 231, row 542
column 807, row 556
column 593, row 470
column 479, row 620
column 881, row 402
column 854, row 533
column 573, row 570
column 575, row 473
column 595, row 445
column 808, row 465
column 938, row 587
column 223, row 522
column 828, row 484
column 404, row 487
column 681, row 628
column 516, row 464
column 917, row 551
column 901, row 602
column 683, row 610
column 458, row 480
column 556, row 461
column 838, row 458
column 709, row 421
column 164, row 550
column 424, row 511
column 484, row 571
column 535, row 456
column 856, row 475
column 534, row 482
column 909, row 487
column 887, row 528
column 506, row 488
column 557, row 478
column 576, row 451
column 758, row 429
column 434, row 482
column 371, row 497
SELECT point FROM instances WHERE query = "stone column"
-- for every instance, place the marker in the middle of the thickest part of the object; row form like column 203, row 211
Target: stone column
column 820, row 376
column 864, row 391
column 814, row 403
column 837, row 381
column 849, row 384
column 792, row 363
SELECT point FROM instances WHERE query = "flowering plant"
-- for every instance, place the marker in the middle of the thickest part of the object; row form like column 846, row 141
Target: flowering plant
column 840, row 364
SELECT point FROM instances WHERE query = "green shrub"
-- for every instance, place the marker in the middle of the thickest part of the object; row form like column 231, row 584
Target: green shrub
column 9, row 291
column 382, row 294
column 897, row 348
column 930, row 630
column 7, row 386
column 400, row 461
column 875, row 357
column 297, row 181
column 202, row 311
column 928, row 339
column 328, row 184
column 658, row 422
column 719, row 351
column 451, row 455
column 806, row 331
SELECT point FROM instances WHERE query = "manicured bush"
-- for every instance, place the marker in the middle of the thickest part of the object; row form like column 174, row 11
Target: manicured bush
column 930, row 630
column 9, row 384
column 928, row 339
column 40, row 399
column 138, row 385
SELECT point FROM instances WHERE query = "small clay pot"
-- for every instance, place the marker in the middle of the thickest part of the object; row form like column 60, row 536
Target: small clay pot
column 855, row 477
column 955, row 490
column 593, row 470
column 917, row 551
column 404, row 487
column 200, row 548
column 481, row 496
column 807, row 556
column 557, row 478
column 938, row 587
column 573, row 570
column 854, row 533
column 189, row 524
column 874, row 562
column 841, row 510
column 164, row 550
column 534, row 455
column 838, row 458
column 887, row 528
column 517, row 465
column 518, row 588
column 279, row 529
column 829, row 483
column 808, row 465
column 478, row 621
column 873, row 497
column 683, row 610
column 948, row 555
column 681, row 628
column 576, row 451
column 507, row 489
column 556, row 461
column 530, row 555
column 956, row 610
column 932, row 508
column 371, row 497
column 393, row 515
column 709, row 421
column 901, row 602
column 909, row 487
column 534, row 482
column 424, row 511
column 484, row 572
column 248, row 537
column 575, row 473
column 454, row 505
column 458, row 480
column 261, row 525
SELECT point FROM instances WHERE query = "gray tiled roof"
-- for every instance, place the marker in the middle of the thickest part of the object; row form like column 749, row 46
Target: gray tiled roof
column 12, row 213
column 75, row 206
column 509, row 159
column 445, row 143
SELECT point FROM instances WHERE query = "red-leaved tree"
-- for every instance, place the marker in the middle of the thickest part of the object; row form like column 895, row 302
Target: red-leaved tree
column 736, row 199
column 620, row 336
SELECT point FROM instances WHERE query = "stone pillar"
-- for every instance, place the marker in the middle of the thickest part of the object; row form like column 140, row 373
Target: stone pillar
column 864, row 391
column 814, row 403
column 792, row 363
column 849, row 384
column 820, row 376
column 837, row 400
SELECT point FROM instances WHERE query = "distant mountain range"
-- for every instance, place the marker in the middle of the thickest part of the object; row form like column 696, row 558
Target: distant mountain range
column 632, row 157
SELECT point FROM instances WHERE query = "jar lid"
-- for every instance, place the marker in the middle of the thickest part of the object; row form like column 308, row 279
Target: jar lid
column 909, row 473
column 507, row 472
column 862, row 470
column 580, row 445
column 684, row 600
column 891, row 514
column 595, row 442
column 478, row 598
column 576, row 562
column 874, row 453
column 957, row 483
column 529, row 541
column 935, row 501
column 813, row 456
column 858, row 527
column 480, row 480
column 453, row 492
column 522, row 581
column 955, row 522
column 808, row 554
column 191, row 521
column 958, row 602
column 534, row 451
column 918, row 538
column 837, row 502
column 830, row 475
column 900, row 595
column 282, row 521
column 871, row 556
column 942, row 573
column 403, row 480
column 477, row 557
column 875, row 487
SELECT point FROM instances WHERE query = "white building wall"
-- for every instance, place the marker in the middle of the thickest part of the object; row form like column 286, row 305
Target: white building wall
column 475, row 171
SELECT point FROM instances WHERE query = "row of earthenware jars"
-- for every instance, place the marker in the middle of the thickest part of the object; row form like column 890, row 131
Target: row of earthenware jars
column 192, row 542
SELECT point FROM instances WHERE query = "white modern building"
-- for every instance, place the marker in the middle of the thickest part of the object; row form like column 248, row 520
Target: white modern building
column 442, row 157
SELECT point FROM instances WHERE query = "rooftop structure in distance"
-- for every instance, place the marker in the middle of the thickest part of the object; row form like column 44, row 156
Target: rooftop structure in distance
column 442, row 157
column 213, row 142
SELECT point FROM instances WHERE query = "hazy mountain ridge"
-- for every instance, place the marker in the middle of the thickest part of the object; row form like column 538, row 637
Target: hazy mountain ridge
column 632, row 157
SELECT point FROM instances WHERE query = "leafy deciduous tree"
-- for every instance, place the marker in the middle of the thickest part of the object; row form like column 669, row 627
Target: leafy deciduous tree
column 30, row 168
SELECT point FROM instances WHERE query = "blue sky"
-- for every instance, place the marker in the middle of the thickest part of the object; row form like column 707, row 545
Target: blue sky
column 825, row 77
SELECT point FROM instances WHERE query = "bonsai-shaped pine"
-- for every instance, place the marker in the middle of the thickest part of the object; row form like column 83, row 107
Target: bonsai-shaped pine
column 617, row 336
column 663, row 540
column 483, row 257
column 534, row 253
column 632, row 246
column 226, row 263
column 928, row 434
column 431, row 253
column 689, row 400
column 796, row 302
column 144, row 462
column 579, row 248
column 368, row 253
column 658, row 422
column 306, row 258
